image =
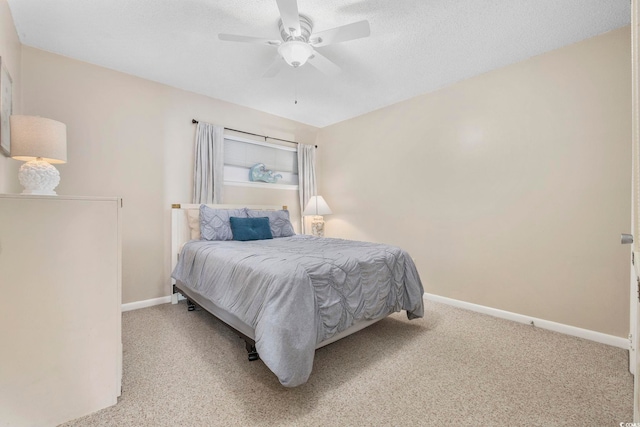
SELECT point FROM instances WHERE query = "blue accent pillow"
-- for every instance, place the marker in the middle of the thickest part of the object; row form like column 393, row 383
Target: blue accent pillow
column 250, row 228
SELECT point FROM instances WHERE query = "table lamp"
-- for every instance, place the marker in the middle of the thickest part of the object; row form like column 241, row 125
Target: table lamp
column 39, row 142
column 317, row 207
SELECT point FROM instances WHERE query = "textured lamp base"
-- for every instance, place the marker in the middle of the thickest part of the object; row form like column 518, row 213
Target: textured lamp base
column 39, row 177
column 317, row 226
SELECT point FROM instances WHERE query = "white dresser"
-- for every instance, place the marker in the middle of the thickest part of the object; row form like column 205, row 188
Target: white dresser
column 60, row 307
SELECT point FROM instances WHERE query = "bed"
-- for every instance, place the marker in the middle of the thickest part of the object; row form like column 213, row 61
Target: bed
column 292, row 294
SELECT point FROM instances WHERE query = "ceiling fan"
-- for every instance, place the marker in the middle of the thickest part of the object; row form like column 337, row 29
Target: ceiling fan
column 299, row 42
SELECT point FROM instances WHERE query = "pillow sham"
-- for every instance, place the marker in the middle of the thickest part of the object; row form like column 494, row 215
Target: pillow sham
column 278, row 222
column 214, row 223
column 244, row 229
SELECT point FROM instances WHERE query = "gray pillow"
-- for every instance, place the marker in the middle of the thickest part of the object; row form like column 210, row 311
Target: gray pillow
column 278, row 222
column 214, row 223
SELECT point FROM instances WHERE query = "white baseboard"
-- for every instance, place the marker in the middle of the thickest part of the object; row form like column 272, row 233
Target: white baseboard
column 540, row 323
column 520, row 318
column 146, row 303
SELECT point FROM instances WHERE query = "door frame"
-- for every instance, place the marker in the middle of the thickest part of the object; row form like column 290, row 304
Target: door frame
column 635, row 205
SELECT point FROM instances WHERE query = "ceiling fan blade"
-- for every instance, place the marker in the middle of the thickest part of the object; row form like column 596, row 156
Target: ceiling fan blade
column 276, row 66
column 341, row 34
column 248, row 39
column 323, row 64
column 290, row 16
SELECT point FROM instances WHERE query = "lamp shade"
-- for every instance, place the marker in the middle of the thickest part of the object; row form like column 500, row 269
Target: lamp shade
column 33, row 137
column 317, row 206
column 295, row 52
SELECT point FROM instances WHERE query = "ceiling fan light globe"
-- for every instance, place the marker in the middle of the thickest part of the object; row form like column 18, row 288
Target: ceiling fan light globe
column 295, row 53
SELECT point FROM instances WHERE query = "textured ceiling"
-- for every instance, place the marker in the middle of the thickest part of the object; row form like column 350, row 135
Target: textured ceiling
column 416, row 46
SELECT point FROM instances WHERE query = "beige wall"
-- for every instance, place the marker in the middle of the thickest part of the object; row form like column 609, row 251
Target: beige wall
column 10, row 53
column 510, row 189
column 133, row 138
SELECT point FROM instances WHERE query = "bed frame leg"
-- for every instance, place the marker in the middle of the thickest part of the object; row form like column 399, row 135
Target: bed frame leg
column 251, row 349
column 190, row 305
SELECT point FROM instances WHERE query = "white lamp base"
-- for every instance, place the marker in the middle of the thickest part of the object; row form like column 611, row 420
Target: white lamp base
column 317, row 226
column 39, row 177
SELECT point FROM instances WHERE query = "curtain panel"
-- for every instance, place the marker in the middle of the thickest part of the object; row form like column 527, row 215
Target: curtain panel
column 306, row 177
column 208, row 172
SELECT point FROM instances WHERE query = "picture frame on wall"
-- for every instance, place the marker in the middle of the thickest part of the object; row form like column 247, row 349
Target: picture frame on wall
column 6, row 95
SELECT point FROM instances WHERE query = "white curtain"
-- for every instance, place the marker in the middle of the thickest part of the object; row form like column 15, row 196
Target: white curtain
column 306, row 177
column 208, row 173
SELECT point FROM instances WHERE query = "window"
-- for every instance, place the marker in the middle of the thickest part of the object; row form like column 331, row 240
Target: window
column 241, row 154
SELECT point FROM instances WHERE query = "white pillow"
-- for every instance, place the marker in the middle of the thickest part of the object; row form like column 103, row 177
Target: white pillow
column 193, row 216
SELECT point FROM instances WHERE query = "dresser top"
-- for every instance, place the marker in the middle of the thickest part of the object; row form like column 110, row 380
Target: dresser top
column 63, row 197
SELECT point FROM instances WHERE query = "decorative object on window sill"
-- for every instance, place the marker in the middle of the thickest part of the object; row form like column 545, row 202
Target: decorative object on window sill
column 259, row 172
column 39, row 142
column 317, row 207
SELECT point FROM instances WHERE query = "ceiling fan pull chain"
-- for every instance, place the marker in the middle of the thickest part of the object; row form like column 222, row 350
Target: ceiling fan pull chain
column 295, row 86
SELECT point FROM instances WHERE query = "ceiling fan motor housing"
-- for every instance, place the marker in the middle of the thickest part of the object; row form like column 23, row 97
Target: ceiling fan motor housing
column 306, row 26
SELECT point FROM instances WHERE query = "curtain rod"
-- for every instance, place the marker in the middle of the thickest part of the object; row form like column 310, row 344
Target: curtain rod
column 194, row 121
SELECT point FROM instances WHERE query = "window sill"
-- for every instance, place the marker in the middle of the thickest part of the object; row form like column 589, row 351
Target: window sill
column 274, row 186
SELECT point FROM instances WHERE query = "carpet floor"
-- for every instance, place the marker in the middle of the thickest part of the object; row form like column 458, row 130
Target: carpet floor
column 453, row 367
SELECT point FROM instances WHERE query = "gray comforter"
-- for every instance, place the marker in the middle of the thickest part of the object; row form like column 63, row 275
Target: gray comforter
column 299, row 291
